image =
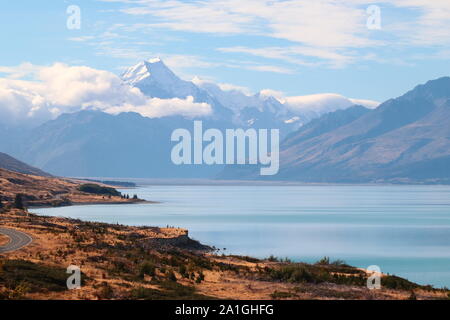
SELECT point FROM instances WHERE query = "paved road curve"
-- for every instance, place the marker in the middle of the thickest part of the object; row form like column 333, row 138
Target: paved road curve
column 18, row 240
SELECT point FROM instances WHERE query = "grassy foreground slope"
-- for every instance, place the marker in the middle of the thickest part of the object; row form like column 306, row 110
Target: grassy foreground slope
column 52, row 191
column 123, row 262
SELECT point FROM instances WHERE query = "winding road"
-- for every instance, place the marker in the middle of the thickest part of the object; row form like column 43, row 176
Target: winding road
column 17, row 239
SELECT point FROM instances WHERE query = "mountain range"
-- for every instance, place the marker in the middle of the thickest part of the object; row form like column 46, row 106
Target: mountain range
column 403, row 140
column 231, row 107
column 92, row 143
column 11, row 164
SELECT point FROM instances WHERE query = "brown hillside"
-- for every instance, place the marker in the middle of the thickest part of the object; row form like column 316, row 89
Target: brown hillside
column 9, row 163
column 48, row 191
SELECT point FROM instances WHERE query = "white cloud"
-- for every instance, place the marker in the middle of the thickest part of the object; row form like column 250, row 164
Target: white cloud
column 432, row 26
column 366, row 103
column 81, row 39
column 324, row 28
column 200, row 82
column 175, row 61
column 232, row 87
column 298, row 21
column 269, row 68
column 316, row 102
column 61, row 88
column 296, row 55
column 193, row 16
column 23, row 70
column 272, row 93
column 308, row 106
column 156, row 108
column 331, row 31
column 322, row 103
column 131, row 54
column 292, row 120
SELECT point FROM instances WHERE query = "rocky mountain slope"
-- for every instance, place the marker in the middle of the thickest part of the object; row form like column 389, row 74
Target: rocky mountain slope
column 9, row 163
column 404, row 140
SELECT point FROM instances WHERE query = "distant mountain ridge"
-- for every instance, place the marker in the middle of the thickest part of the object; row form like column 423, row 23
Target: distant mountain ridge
column 155, row 79
column 404, row 140
column 97, row 144
column 11, row 164
column 92, row 143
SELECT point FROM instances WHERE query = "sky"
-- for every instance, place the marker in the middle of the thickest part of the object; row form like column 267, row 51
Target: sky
column 292, row 47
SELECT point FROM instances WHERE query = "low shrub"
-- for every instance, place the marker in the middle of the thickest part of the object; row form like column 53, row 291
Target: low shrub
column 97, row 189
column 147, row 268
column 36, row 277
column 168, row 291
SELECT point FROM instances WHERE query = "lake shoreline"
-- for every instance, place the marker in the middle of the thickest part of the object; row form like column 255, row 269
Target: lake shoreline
column 135, row 263
column 94, row 203
column 365, row 225
column 143, row 182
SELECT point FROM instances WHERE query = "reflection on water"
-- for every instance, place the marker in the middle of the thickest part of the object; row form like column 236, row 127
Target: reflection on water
column 403, row 229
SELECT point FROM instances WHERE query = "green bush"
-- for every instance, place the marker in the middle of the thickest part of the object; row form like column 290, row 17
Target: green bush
column 147, row 268
column 246, row 258
column 18, row 273
column 324, row 261
column 282, row 295
column 305, row 273
column 394, row 282
column 412, row 296
column 169, row 290
column 294, row 274
column 183, row 271
column 18, row 202
column 171, row 276
column 97, row 189
column 200, row 278
column 105, row 292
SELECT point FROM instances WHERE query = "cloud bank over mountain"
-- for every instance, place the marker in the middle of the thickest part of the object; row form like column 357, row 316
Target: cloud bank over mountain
column 32, row 94
column 404, row 140
column 61, row 89
column 317, row 104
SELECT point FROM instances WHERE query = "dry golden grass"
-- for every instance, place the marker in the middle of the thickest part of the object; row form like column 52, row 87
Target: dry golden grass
column 112, row 255
column 53, row 245
column 97, row 248
column 44, row 191
column 3, row 240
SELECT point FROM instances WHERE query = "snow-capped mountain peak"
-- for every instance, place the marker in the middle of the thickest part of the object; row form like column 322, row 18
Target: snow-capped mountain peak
column 155, row 79
column 152, row 68
column 264, row 109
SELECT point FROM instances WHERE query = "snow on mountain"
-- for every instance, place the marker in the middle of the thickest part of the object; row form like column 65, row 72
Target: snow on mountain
column 232, row 99
column 295, row 109
column 237, row 100
column 255, row 111
column 404, row 140
column 155, row 79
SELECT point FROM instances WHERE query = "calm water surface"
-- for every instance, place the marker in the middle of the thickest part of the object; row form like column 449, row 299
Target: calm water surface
column 403, row 229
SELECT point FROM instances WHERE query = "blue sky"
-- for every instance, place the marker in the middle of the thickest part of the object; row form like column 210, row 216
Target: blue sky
column 296, row 47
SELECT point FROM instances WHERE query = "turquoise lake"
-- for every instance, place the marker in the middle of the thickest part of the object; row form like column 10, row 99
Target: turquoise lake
column 405, row 230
